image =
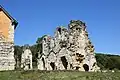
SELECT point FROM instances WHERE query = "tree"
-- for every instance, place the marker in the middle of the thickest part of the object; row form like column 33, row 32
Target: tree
column 17, row 54
column 106, row 61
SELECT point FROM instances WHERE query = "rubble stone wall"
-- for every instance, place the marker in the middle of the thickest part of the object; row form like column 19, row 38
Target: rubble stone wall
column 7, row 61
column 69, row 49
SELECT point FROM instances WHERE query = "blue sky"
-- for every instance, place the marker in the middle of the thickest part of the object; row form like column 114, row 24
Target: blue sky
column 39, row 17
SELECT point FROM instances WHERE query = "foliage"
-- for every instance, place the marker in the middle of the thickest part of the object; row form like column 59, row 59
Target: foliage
column 39, row 44
column 17, row 54
column 34, row 51
column 109, row 62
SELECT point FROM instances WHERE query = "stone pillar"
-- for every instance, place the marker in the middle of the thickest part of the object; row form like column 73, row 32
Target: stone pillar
column 26, row 59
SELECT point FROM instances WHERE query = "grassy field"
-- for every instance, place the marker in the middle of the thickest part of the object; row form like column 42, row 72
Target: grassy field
column 58, row 75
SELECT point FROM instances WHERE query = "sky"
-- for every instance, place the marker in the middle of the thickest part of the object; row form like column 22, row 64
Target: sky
column 39, row 17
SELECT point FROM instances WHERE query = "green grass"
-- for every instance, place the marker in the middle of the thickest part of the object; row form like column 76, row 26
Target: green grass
column 58, row 75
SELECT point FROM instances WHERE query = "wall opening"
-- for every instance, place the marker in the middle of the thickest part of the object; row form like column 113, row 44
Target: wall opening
column 71, row 67
column 94, row 64
column 29, row 66
column 52, row 64
column 43, row 63
column 77, row 68
column 45, row 39
column 86, row 67
column 64, row 62
column 59, row 29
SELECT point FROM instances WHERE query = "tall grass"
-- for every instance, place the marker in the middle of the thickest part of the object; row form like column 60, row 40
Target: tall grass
column 58, row 75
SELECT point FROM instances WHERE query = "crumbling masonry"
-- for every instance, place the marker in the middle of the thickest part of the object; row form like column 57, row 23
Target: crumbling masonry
column 26, row 58
column 69, row 49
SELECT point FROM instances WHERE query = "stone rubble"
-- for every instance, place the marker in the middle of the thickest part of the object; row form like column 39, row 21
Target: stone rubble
column 69, row 49
column 26, row 58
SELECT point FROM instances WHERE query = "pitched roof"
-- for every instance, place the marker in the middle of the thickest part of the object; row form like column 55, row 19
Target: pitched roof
column 14, row 22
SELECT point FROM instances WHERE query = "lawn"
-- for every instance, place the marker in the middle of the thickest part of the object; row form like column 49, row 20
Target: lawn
column 58, row 75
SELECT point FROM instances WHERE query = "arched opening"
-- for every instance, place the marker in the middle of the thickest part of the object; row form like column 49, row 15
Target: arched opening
column 43, row 63
column 71, row 66
column 59, row 29
column 64, row 62
column 45, row 39
column 77, row 68
column 86, row 67
column 29, row 66
column 52, row 64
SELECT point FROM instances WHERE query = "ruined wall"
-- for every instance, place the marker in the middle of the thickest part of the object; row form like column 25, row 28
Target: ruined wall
column 26, row 59
column 69, row 49
column 7, row 60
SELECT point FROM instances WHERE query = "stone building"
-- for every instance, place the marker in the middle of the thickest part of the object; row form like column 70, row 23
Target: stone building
column 7, row 26
column 69, row 49
column 26, row 58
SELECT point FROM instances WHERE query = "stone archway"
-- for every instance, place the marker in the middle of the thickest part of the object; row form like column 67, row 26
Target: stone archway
column 86, row 67
column 64, row 62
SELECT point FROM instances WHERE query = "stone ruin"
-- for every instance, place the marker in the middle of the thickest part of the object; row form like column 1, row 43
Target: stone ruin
column 69, row 49
column 26, row 58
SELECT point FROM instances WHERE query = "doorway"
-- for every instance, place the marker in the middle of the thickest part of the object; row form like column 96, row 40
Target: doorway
column 64, row 62
column 52, row 64
column 86, row 67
